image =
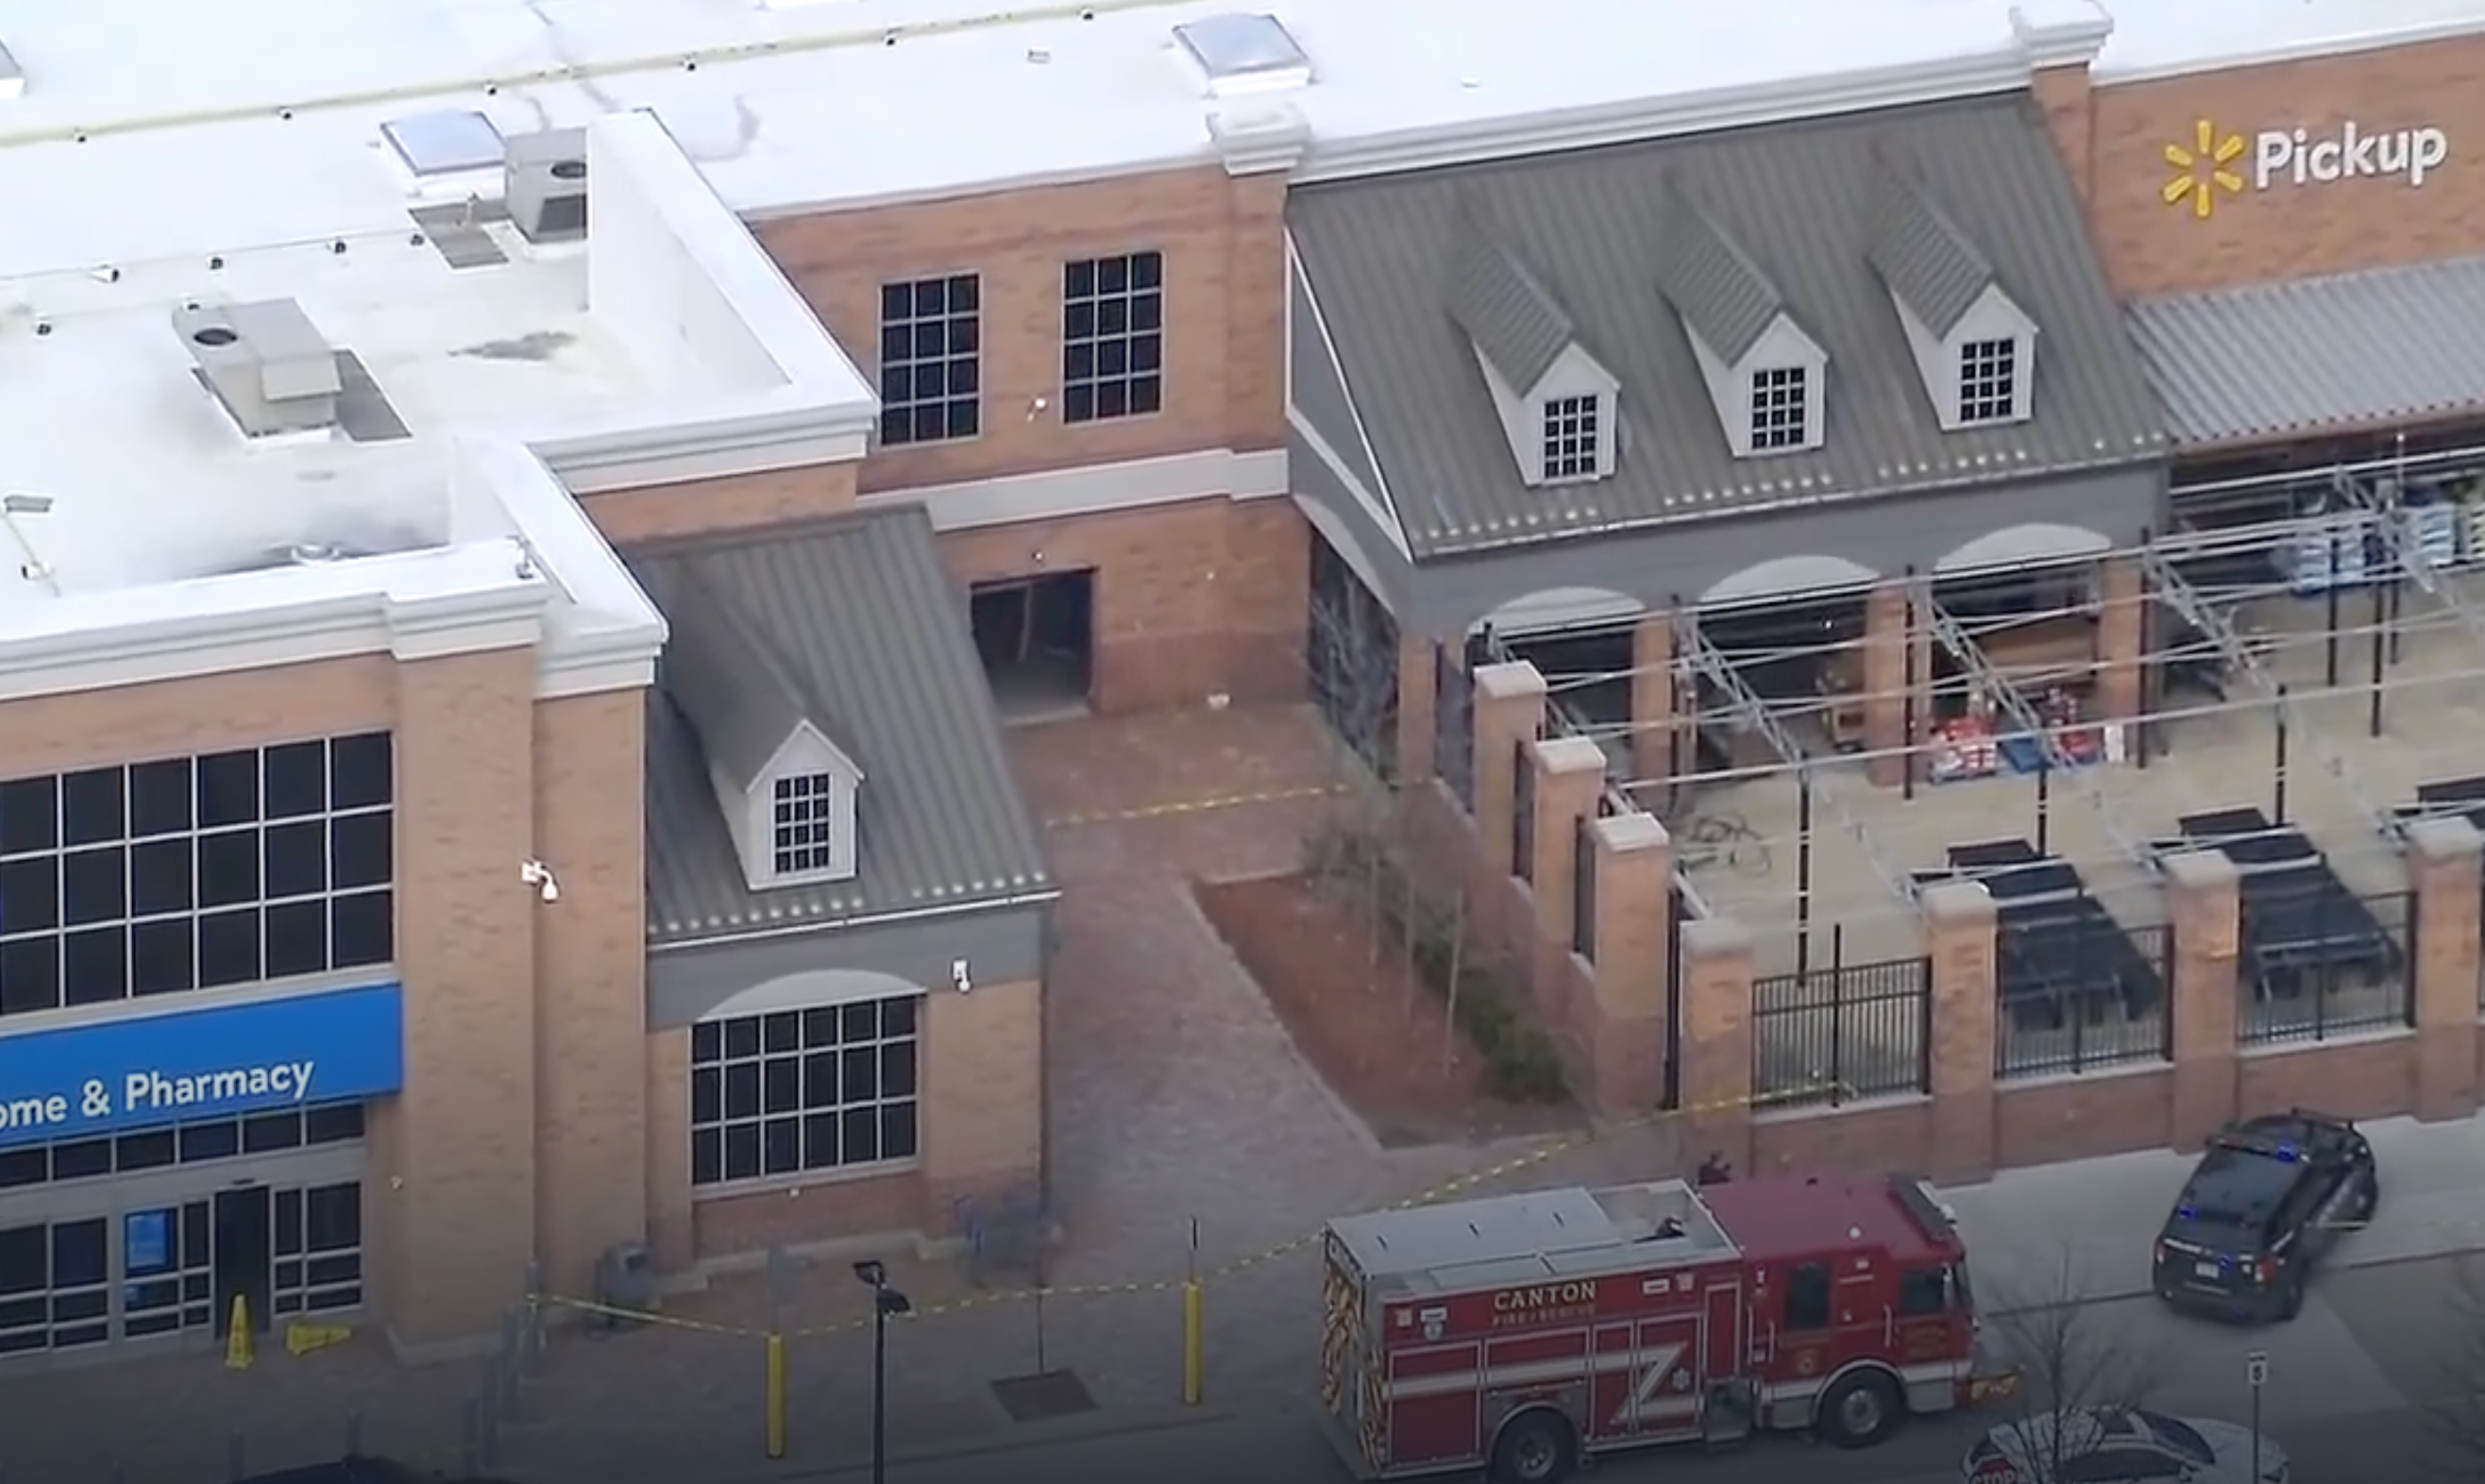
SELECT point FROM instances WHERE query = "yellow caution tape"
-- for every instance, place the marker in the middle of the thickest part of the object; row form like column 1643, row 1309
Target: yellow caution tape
column 1208, row 805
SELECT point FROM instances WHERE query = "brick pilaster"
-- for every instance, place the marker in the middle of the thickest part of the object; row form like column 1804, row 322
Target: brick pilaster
column 1654, row 726
column 1623, row 1028
column 1417, row 657
column 2203, row 905
column 1570, row 776
column 1716, row 1054
column 2122, row 641
column 2444, row 860
column 1958, row 920
column 1509, row 710
column 1890, row 632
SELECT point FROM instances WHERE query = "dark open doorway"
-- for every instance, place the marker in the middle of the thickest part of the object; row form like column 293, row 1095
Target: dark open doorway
column 1037, row 638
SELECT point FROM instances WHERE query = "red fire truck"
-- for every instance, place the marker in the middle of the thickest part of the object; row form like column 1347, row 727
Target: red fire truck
column 1525, row 1331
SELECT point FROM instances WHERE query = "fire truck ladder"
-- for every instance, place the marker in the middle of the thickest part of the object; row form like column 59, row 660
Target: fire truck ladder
column 2006, row 697
column 2180, row 595
column 1704, row 659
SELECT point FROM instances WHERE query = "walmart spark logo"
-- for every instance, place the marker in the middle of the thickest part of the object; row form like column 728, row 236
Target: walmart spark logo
column 2201, row 170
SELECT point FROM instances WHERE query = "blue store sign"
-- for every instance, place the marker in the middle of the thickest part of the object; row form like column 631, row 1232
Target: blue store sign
column 202, row 1064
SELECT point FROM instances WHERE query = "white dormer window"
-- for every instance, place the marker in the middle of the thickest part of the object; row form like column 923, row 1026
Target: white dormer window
column 1988, row 380
column 803, row 832
column 1780, row 397
column 1573, row 429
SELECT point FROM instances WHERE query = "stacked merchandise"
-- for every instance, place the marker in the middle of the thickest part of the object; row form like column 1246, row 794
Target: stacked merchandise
column 2329, row 546
column 1964, row 747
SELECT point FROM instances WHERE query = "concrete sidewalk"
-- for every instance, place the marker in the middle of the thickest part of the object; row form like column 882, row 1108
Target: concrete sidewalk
column 2082, row 1229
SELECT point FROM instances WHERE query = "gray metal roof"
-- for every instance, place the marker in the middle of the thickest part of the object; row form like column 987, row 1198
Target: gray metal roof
column 1516, row 324
column 1933, row 267
column 1801, row 199
column 868, row 626
column 732, row 688
column 2277, row 361
column 1712, row 284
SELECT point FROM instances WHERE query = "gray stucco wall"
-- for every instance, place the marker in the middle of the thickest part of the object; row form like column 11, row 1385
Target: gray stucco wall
column 1001, row 945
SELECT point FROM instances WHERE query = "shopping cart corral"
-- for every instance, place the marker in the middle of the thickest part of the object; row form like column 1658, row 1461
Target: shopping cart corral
column 2303, row 930
column 2058, row 954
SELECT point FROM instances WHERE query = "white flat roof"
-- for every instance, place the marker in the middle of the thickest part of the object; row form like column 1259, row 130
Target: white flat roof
column 857, row 100
column 150, row 535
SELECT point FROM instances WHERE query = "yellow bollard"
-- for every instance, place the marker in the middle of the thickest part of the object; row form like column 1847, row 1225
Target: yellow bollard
column 239, row 1352
column 776, row 1396
column 1194, row 1346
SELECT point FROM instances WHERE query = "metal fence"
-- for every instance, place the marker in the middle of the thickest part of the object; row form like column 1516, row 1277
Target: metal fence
column 1583, row 888
column 1842, row 1033
column 2075, row 1004
column 1454, row 725
column 2336, row 965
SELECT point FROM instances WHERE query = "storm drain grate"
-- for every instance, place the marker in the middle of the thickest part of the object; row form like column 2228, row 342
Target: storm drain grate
column 1043, row 1396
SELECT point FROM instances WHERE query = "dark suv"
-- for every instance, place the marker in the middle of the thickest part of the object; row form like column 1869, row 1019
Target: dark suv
column 2267, row 1201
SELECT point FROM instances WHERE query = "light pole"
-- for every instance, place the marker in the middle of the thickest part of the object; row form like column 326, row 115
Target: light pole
column 885, row 1302
column 2256, row 1376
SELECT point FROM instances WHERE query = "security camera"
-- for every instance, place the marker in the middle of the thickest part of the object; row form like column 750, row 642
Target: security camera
column 537, row 874
column 959, row 979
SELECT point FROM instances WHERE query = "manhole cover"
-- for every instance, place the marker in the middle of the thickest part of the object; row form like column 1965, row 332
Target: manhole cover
column 1044, row 1397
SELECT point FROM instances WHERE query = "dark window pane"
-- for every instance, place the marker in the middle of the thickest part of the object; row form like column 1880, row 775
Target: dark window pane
column 229, row 947
column 859, row 1021
column 1147, row 270
column 333, row 1123
column 1078, row 278
column 707, row 1094
column 94, row 965
column 707, row 1041
column 820, row 1080
column 297, row 939
column 1112, row 399
column 25, row 1259
column 1112, row 275
column 227, row 789
column 30, row 815
column 159, row 797
column 361, row 771
column 161, row 877
column 742, row 1090
column 1147, row 313
column 897, row 1131
column 30, row 894
column 966, row 293
column 859, row 1136
column 1147, row 395
column 860, row 1077
column 294, row 780
column 78, row 1252
column 780, row 1145
column 965, row 419
column 781, row 1085
column 707, row 1156
column 897, row 1018
column 820, row 1141
column 897, row 1070
column 362, row 930
column 82, row 1159
column 24, row 1166
column 742, row 1036
column 92, row 807
column 219, row 1140
column 160, row 957
column 819, row 1027
column 152, row 1149
column 781, row 1032
column 333, row 1217
column 229, row 868
column 344, row 1268
column 1078, row 322
column 271, row 1131
column 94, row 885
column 288, row 1235
column 896, row 424
column 30, row 975
column 742, row 1151
column 297, row 860
column 1079, row 404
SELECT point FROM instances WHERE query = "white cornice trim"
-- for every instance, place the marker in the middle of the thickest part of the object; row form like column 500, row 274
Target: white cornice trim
column 2002, row 70
column 1095, row 488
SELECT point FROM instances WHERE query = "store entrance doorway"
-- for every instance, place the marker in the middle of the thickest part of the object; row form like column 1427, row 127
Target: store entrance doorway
column 245, row 1257
column 1036, row 637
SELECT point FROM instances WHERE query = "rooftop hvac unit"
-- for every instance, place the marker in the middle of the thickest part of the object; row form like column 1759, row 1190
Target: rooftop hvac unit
column 544, row 184
column 266, row 361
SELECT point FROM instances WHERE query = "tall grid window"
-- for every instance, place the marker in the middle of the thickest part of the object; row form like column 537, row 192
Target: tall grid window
column 1112, row 336
column 832, row 1087
column 1780, row 414
column 1988, row 380
column 931, row 360
column 1571, row 437
column 196, row 872
column 803, row 825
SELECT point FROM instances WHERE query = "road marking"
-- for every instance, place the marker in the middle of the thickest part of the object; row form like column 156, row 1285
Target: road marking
column 1208, row 805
